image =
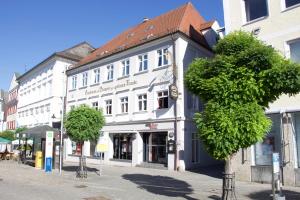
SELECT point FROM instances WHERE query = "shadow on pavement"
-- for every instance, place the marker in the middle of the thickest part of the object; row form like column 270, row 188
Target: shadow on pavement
column 215, row 171
column 75, row 168
column 161, row 185
column 265, row 195
column 214, row 197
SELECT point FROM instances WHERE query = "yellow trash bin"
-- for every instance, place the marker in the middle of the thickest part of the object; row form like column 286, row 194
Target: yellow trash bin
column 38, row 160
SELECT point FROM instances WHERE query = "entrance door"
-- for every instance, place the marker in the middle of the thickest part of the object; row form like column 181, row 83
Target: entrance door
column 155, row 147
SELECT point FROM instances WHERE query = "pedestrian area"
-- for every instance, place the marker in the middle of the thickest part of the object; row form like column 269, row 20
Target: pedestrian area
column 18, row 181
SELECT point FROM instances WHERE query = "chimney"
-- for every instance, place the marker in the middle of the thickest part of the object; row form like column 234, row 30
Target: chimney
column 145, row 19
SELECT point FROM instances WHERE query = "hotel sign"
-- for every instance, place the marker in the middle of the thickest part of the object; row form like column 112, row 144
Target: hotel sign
column 111, row 88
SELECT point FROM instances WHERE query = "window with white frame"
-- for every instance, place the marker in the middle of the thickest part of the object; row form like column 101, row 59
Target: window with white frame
column 36, row 110
column 163, row 99
column 124, row 104
column 162, row 57
column 290, row 3
column 110, row 72
column 48, row 108
column 255, row 9
column 143, row 62
column 295, row 50
column 108, row 107
column 95, row 105
column 42, row 109
column 72, row 107
column 31, row 111
column 142, row 102
column 84, row 79
column 125, row 67
column 74, row 82
column 97, row 75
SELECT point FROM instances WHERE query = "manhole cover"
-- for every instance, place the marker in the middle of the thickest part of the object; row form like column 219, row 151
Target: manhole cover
column 96, row 198
column 80, row 186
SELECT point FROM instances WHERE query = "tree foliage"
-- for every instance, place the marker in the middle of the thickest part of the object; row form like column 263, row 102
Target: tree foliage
column 9, row 135
column 237, row 85
column 20, row 129
column 83, row 123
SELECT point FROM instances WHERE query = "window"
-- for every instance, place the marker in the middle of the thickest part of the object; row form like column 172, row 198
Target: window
column 295, row 51
column 37, row 110
column 72, row 107
column 124, row 105
column 97, row 75
column 163, row 99
column 84, row 79
column 42, row 109
column 143, row 62
column 296, row 123
column 95, row 105
column 125, row 67
column 142, row 102
column 74, row 82
column 255, row 9
column 195, row 148
column 289, row 3
column 122, row 145
column 271, row 143
column 48, row 108
column 108, row 107
column 162, row 57
column 110, row 72
column 31, row 111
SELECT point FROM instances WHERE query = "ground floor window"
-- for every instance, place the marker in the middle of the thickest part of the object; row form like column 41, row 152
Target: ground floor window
column 296, row 122
column 195, row 148
column 271, row 143
column 122, row 144
column 76, row 148
column 155, row 147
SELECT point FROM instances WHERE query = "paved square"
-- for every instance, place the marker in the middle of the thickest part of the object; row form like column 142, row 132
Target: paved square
column 119, row 183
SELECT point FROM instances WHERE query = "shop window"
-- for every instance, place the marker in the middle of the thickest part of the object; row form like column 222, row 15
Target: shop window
column 76, row 148
column 270, row 144
column 295, row 50
column 93, row 148
column 296, row 123
column 163, row 99
column 195, row 148
column 289, row 3
column 255, row 9
column 122, row 144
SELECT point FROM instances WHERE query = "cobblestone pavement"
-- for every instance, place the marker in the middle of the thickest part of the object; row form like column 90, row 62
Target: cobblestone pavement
column 22, row 182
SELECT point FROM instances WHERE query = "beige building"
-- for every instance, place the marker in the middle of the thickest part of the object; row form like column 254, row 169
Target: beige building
column 277, row 23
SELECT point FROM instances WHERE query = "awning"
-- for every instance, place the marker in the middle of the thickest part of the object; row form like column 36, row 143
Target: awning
column 39, row 132
column 4, row 141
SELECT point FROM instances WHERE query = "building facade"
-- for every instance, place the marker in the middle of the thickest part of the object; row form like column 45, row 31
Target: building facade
column 276, row 23
column 42, row 88
column 11, row 112
column 129, row 78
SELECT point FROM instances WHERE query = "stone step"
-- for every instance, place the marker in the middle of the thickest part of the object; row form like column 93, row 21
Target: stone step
column 153, row 165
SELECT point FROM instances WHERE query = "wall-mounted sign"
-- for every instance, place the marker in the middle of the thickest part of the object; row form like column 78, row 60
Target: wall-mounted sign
column 152, row 125
column 48, row 151
column 112, row 88
column 173, row 90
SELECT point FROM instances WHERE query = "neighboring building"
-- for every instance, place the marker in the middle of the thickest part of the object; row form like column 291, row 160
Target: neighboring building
column 277, row 23
column 11, row 111
column 129, row 78
column 41, row 88
column 3, row 100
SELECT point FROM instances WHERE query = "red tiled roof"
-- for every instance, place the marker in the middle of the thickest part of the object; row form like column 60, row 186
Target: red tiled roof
column 185, row 19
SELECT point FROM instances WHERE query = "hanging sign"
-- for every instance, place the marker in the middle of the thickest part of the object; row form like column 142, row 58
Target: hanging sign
column 173, row 90
column 48, row 151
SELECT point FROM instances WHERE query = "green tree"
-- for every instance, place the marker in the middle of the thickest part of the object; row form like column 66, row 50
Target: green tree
column 20, row 129
column 237, row 85
column 82, row 124
column 9, row 135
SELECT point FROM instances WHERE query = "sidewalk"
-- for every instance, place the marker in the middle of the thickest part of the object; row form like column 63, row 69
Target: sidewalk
column 120, row 183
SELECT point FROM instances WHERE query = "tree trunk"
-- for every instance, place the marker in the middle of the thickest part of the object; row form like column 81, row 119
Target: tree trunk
column 81, row 159
column 228, row 181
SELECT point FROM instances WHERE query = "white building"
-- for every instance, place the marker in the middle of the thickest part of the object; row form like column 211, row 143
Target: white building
column 42, row 87
column 129, row 78
column 277, row 23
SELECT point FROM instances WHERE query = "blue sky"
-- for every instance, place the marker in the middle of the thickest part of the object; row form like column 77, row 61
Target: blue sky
column 32, row 30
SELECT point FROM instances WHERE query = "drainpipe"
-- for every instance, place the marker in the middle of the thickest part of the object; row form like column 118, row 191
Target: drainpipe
column 176, row 156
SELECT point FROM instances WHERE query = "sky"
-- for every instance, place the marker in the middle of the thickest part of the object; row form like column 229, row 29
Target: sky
column 32, row 30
